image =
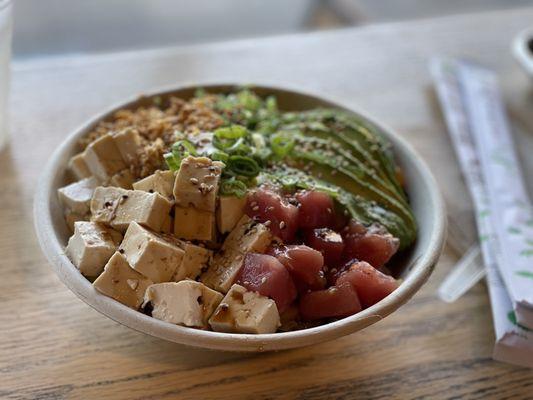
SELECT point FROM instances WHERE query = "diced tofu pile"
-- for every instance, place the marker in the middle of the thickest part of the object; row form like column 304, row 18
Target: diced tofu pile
column 152, row 243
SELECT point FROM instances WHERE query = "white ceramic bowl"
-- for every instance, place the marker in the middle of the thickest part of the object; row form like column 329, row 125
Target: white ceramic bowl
column 522, row 48
column 421, row 186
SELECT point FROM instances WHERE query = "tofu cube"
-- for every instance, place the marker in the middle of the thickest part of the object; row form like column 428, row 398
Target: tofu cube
column 195, row 259
column 186, row 303
column 103, row 158
column 247, row 237
column 168, row 225
column 161, row 182
column 78, row 168
column 242, row 311
column 71, row 218
column 118, row 207
column 193, row 224
column 91, row 246
column 129, row 144
column 154, row 255
column 123, row 179
column 77, row 196
column 197, row 182
column 230, row 211
column 122, row 283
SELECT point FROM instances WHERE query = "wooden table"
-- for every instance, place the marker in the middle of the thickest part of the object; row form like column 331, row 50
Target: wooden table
column 53, row 346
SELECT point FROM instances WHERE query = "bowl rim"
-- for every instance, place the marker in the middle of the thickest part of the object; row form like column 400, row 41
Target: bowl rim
column 420, row 269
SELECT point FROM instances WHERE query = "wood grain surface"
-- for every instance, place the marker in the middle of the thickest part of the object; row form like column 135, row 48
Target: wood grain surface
column 53, row 346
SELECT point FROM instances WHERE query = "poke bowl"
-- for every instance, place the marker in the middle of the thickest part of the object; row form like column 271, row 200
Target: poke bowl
column 239, row 218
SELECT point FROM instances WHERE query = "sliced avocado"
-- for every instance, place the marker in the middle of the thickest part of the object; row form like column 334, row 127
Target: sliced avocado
column 343, row 157
column 363, row 140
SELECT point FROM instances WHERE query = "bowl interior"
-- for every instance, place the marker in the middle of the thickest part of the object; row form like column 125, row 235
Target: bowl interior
column 414, row 266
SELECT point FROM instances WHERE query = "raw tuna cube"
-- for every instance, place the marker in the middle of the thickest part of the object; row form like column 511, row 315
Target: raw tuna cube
column 304, row 264
column 316, row 210
column 337, row 301
column 370, row 284
column 264, row 205
column 328, row 242
column 333, row 274
column 373, row 244
column 264, row 274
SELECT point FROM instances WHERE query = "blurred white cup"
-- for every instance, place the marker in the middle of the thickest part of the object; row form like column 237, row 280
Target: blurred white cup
column 6, row 23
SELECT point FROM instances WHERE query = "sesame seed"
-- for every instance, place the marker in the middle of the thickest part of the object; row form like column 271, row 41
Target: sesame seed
column 282, row 225
column 255, row 208
column 204, row 189
column 132, row 283
column 267, row 223
column 194, row 181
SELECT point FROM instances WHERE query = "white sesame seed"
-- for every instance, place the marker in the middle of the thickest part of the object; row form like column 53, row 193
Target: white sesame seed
column 282, row 225
column 132, row 283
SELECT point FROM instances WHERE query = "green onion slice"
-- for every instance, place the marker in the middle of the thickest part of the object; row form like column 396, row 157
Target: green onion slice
column 219, row 155
column 242, row 165
column 231, row 132
column 233, row 187
column 282, row 143
column 171, row 161
column 184, row 148
column 239, row 147
column 271, row 104
column 226, row 138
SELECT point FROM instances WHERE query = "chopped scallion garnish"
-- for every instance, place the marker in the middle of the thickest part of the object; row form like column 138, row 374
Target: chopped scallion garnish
column 171, row 162
column 233, row 187
column 242, row 165
column 282, row 143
